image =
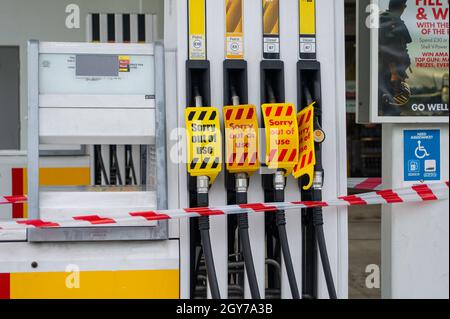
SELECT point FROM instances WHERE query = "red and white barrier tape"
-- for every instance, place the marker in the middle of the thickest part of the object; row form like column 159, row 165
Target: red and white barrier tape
column 372, row 183
column 419, row 193
column 14, row 199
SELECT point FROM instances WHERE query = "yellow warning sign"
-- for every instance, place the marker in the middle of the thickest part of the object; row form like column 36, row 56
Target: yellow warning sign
column 241, row 138
column 234, row 33
column 307, row 159
column 281, row 136
column 204, row 143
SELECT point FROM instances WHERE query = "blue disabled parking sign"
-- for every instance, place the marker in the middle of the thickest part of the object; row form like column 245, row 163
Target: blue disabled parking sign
column 422, row 155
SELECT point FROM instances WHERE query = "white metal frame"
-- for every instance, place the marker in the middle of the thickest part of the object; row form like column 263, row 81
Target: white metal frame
column 149, row 118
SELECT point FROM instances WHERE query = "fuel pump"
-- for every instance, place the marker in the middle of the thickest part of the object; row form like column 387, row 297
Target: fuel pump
column 281, row 157
column 203, row 149
column 241, row 143
column 281, row 144
column 259, row 47
column 309, row 169
column 241, row 130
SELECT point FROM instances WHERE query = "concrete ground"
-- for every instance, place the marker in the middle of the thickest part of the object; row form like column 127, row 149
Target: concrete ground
column 364, row 249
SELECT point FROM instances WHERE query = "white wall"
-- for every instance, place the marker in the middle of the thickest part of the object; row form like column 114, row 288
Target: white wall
column 415, row 236
column 21, row 20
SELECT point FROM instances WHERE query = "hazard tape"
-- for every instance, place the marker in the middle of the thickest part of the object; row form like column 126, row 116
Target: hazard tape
column 418, row 193
column 372, row 183
column 15, row 199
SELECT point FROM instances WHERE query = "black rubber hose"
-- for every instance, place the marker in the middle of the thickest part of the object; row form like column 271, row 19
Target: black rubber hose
column 317, row 211
column 101, row 165
column 248, row 256
column 209, row 260
column 281, row 223
column 204, row 227
column 241, row 198
column 318, row 223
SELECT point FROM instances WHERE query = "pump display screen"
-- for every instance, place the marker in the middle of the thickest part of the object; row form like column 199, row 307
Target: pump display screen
column 96, row 74
column 97, row 65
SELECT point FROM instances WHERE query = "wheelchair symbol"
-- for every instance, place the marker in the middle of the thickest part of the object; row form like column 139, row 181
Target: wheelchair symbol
column 421, row 152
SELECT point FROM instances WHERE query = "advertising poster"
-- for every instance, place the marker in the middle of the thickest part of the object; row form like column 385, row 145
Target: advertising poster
column 413, row 52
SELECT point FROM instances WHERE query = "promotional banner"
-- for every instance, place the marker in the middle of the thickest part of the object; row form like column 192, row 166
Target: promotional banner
column 413, row 76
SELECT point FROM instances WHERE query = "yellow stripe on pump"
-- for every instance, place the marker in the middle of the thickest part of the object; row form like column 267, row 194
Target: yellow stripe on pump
column 197, row 29
column 112, row 284
column 204, row 142
column 307, row 17
column 307, row 29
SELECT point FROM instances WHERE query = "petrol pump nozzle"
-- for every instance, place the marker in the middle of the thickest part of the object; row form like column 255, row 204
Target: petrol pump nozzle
column 318, row 180
column 202, row 200
column 270, row 93
column 202, row 184
column 241, row 183
column 279, row 180
column 234, row 96
column 202, row 181
column 278, row 188
column 198, row 97
column 315, row 193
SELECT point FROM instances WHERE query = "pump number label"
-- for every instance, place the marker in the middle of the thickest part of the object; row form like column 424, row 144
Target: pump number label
column 197, row 47
column 241, row 138
column 307, row 158
column 204, row 142
column 281, row 136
